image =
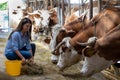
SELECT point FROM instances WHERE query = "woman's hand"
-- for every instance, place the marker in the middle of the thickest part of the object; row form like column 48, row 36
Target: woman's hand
column 31, row 60
column 23, row 60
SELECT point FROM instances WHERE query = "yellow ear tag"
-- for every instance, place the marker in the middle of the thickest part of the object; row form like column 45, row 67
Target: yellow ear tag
column 90, row 52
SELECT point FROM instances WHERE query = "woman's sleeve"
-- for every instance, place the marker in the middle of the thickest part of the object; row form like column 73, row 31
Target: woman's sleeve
column 15, row 41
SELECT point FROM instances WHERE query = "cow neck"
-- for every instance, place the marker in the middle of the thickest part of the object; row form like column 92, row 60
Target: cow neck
column 94, row 21
column 82, row 36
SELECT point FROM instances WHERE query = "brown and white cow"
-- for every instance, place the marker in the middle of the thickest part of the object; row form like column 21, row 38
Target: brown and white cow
column 70, row 29
column 41, row 20
column 103, row 22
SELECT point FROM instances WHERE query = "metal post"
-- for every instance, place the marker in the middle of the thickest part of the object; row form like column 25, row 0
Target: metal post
column 35, row 3
column 62, row 13
column 51, row 3
column 91, row 9
column 46, row 3
column 82, row 8
column 69, row 8
column 99, row 5
column 79, row 7
column 58, row 11
column 28, row 5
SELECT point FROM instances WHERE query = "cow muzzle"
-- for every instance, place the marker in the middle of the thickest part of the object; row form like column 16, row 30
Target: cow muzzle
column 54, row 61
column 60, row 68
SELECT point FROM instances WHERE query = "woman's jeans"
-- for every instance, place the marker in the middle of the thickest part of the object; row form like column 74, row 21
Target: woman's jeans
column 23, row 51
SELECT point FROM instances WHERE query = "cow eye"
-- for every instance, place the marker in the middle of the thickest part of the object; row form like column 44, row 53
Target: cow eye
column 69, row 50
column 64, row 48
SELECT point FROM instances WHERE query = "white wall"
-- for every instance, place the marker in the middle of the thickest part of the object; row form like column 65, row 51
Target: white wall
column 4, row 18
column 14, row 19
column 1, row 1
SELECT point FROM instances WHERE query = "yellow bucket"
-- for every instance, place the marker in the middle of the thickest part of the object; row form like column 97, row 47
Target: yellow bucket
column 13, row 67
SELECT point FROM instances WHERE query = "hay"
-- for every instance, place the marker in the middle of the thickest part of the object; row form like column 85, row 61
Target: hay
column 110, row 76
column 31, row 69
column 4, row 76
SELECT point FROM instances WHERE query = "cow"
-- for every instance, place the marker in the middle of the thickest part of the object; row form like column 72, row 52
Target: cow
column 60, row 33
column 105, row 50
column 70, row 29
column 97, row 27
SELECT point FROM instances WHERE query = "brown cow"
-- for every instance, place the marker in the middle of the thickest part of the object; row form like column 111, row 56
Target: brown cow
column 98, row 27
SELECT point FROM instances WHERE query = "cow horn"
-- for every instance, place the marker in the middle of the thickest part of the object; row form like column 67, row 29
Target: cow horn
column 91, row 41
column 58, row 46
column 51, row 11
column 83, row 44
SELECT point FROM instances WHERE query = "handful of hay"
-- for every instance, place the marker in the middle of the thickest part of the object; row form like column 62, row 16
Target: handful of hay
column 31, row 69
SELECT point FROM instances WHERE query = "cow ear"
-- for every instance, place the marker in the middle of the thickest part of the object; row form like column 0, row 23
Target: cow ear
column 47, row 40
column 88, row 51
column 71, row 33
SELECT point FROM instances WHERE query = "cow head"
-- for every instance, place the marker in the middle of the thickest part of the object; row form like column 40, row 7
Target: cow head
column 93, row 59
column 36, row 21
column 58, row 33
column 53, row 17
column 68, row 55
column 71, row 45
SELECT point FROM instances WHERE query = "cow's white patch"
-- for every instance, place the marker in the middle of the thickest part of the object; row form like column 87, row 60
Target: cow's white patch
column 68, row 58
column 38, row 22
column 45, row 14
column 94, row 64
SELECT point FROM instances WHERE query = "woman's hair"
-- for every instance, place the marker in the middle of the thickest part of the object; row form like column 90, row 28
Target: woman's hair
column 20, row 27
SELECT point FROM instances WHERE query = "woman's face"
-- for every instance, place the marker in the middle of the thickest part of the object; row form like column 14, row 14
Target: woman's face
column 26, row 27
